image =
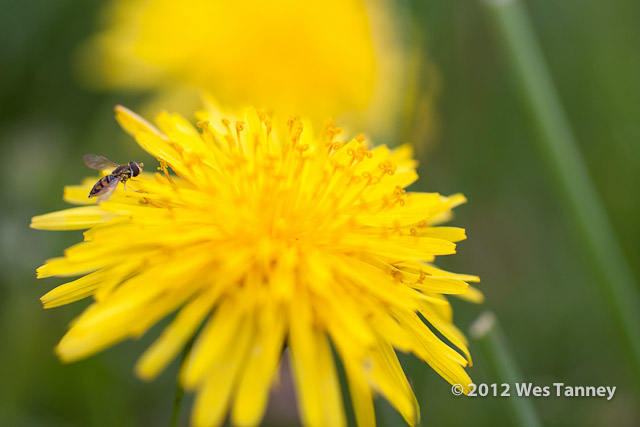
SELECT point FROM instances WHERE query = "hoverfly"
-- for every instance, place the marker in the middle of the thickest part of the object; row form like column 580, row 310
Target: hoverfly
column 106, row 185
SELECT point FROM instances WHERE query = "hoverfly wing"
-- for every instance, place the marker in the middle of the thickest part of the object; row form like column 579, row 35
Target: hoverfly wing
column 107, row 191
column 96, row 161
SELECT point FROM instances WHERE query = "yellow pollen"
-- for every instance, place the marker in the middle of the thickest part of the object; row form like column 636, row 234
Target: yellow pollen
column 387, row 167
column 239, row 129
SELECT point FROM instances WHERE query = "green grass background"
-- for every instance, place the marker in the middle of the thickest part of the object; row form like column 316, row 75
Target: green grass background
column 535, row 275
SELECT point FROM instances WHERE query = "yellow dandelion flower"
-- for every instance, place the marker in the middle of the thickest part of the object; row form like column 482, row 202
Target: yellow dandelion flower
column 345, row 55
column 267, row 236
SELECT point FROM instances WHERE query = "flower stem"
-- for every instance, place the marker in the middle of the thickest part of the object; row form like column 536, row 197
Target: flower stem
column 177, row 400
column 569, row 170
column 502, row 367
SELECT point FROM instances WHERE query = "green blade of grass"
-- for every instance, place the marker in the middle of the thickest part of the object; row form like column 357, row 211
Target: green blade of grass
column 179, row 393
column 569, row 171
column 503, row 369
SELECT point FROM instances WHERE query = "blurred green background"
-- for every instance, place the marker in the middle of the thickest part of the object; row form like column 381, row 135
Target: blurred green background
column 521, row 242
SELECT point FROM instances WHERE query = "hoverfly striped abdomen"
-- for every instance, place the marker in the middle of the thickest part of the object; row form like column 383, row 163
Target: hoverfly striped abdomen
column 102, row 183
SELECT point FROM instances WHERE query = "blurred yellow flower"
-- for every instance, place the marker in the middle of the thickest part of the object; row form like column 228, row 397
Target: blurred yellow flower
column 315, row 58
column 270, row 236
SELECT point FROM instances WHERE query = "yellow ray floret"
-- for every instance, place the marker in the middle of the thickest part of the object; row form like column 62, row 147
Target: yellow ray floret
column 269, row 237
